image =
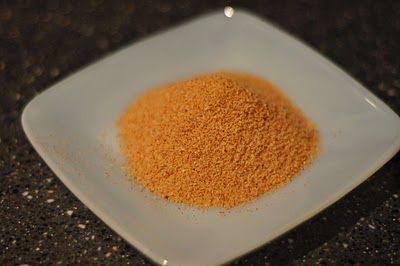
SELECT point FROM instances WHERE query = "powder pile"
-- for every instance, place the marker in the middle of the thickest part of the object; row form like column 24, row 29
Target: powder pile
column 216, row 140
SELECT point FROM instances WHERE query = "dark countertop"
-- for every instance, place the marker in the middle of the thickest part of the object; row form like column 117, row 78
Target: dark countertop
column 41, row 43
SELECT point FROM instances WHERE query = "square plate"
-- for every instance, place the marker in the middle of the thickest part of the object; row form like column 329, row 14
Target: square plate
column 72, row 126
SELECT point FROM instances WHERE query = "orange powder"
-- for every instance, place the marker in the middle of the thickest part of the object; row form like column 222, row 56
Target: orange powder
column 216, row 140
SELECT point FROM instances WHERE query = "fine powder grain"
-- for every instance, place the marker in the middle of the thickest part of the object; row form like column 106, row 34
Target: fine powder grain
column 216, row 140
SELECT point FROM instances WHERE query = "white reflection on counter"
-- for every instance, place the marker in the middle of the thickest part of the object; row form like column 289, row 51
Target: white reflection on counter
column 229, row 11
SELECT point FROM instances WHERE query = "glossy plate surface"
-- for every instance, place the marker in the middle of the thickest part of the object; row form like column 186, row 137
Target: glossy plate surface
column 71, row 125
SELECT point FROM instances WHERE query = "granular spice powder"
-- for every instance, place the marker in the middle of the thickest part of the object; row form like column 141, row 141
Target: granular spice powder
column 216, row 140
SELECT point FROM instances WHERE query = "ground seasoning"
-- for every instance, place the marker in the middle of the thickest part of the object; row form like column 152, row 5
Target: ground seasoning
column 216, row 140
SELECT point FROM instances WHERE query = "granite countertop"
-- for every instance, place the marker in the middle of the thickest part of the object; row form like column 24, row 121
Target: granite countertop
column 42, row 222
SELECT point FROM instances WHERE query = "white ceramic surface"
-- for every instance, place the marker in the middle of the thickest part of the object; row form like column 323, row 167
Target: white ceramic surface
column 71, row 125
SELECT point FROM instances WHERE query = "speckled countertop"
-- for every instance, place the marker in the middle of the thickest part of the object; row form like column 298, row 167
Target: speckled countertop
column 42, row 42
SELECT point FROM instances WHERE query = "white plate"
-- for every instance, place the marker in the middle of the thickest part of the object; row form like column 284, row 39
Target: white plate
column 71, row 125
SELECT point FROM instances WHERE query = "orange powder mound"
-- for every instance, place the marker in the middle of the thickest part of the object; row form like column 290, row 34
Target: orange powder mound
column 216, row 140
